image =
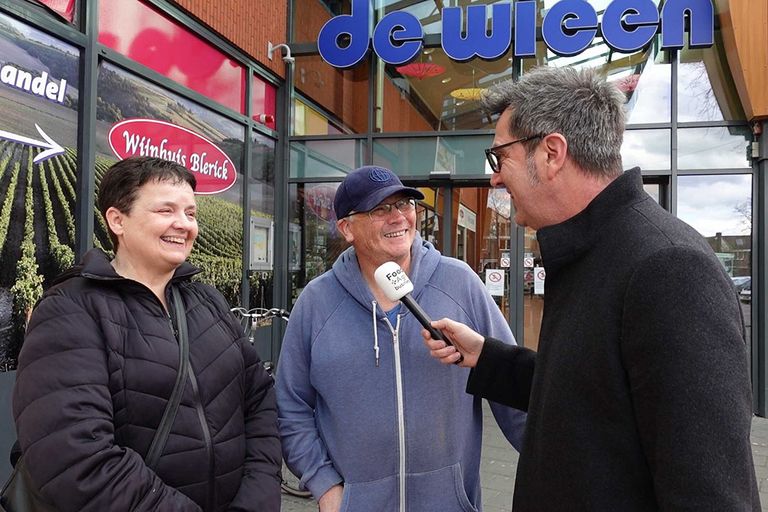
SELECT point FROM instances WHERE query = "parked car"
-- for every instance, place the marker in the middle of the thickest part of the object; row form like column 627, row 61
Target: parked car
column 740, row 282
column 746, row 292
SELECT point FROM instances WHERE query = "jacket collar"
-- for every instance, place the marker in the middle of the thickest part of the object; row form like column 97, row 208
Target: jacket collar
column 96, row 265
column 565, row 242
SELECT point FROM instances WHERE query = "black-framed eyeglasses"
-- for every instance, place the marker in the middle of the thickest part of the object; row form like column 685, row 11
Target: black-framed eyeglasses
column 493, row 158
column 382, row 211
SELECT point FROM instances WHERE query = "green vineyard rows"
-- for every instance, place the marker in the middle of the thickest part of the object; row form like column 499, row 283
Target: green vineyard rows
column 41, row 228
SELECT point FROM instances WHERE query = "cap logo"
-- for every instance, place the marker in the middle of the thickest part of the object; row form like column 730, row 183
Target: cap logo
column 379, row 175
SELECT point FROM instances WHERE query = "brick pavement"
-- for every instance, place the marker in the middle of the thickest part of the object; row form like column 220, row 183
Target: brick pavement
column 499, row 462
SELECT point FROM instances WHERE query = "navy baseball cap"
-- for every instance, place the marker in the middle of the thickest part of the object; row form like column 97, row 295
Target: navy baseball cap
column 364, row 188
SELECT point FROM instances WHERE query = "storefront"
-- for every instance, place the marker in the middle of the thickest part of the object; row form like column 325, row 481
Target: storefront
column 84, row 83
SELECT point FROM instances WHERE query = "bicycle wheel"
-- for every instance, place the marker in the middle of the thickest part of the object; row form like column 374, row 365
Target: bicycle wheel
column 291, row 485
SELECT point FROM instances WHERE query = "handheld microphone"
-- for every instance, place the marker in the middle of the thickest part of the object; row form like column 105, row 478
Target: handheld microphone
column 396, row 286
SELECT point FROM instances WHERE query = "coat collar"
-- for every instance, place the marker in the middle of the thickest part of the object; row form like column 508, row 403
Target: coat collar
column 565, row 242
column 96, row 265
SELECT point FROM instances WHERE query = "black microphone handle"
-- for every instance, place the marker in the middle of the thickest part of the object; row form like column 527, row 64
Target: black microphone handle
column 423, row 318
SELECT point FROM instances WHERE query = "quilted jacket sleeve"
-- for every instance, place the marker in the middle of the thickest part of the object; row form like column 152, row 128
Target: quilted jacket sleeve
column 260, row 484
column 64, row 419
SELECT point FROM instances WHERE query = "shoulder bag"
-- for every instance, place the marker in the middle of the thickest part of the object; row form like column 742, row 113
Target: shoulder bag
column 19, row 493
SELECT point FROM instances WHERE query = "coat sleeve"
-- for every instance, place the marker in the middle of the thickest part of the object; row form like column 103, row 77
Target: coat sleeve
column 260, row 485
column 489, row 321
column 684, row 351
column 303, row 448
column 64, row 419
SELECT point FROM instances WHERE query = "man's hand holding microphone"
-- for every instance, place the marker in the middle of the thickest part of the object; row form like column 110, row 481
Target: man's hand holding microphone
column 449, row 341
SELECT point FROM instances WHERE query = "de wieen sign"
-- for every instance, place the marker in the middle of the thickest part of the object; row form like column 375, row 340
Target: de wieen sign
column 568, row 28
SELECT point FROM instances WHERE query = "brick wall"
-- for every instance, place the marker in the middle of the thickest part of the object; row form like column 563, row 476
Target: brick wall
column 247, row 24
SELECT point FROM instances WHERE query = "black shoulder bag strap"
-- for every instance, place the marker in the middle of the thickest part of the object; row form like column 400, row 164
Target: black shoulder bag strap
column 164, row 429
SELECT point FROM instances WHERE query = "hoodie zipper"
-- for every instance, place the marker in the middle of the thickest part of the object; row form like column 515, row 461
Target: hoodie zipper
column 400, row 410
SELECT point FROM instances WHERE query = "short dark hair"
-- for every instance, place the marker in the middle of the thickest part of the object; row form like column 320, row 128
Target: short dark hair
column 577, row 103
column 120, row 184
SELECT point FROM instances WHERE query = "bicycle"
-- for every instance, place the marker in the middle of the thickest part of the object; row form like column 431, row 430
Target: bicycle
column 250, row 320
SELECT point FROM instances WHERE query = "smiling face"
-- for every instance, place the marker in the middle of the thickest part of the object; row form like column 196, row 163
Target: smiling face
column 158, row 232
column 519, row 175
column 377, row 241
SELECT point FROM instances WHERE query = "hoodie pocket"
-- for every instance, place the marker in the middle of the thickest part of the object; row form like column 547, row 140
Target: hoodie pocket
column 375, row 496
column 442, row 489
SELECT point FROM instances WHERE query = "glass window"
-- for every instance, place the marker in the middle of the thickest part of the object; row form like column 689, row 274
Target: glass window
column 262, row 221
column 706, row 91
column 647, row 149
column 720, row 208
column 326, row 158
column 435, row 93
column 263, row 102
column 422, row 156
column 143, row 34
column 39, row 81
column 713, row 148
column 196, row 137
column 340, row 96
column 315, row 242
column 65, row 9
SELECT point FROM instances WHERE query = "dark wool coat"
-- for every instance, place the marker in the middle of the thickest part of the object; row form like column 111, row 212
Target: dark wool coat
column 640, row 397
column 97, row 367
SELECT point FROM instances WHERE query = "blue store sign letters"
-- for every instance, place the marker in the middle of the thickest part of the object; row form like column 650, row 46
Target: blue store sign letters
column 568, row 28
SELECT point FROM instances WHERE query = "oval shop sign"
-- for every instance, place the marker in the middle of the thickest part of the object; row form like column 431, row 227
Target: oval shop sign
column 214, row 170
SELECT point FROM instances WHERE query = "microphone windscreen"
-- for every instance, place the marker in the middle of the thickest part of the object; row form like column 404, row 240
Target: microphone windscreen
column 393, row 281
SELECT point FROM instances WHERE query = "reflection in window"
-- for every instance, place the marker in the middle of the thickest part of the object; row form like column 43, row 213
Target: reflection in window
column 421, row 156
column 315, row 242
column 436, row 93
column 720, row 208
column 716, row 204
column 262, row 218
column 325, row 159
column 713, row 148
column 647, row 149
column 340, row 96
column 706, row 91
column 644, row 77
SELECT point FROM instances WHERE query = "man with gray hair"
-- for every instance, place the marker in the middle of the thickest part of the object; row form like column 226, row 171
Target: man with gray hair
column 639, row 397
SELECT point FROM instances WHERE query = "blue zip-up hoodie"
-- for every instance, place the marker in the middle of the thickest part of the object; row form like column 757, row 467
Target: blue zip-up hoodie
column 362, row 403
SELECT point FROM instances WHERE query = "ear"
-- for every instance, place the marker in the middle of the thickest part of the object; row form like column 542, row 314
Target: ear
column 555, row 148
column 345, row 228
column 115, row 219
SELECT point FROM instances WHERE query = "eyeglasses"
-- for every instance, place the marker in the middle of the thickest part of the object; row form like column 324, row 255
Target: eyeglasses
column 493, row 158
column 382, row 211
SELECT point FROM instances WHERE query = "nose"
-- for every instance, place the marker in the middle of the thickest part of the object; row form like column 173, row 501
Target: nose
column 496, row 180
column 183, row 221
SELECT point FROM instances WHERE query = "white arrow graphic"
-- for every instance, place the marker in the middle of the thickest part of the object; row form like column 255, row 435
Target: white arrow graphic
column 51, row 147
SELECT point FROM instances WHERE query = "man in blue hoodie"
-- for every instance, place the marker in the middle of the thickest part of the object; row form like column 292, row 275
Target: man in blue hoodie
column 368, row 419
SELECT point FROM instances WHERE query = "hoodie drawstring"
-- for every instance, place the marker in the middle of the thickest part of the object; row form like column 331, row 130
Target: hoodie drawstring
column 375, row 333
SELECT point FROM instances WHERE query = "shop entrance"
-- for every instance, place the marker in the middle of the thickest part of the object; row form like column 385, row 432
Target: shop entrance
column 473, row 224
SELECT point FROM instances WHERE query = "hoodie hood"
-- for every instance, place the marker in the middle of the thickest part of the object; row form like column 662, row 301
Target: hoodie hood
column 424, row 261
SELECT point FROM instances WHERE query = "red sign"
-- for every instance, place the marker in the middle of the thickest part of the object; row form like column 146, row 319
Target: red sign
column 214, row 170
column 147, row 35
column 319, row 200
column 64, row 8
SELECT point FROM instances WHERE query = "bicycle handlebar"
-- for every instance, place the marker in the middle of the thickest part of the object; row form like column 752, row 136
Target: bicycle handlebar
column 261, row 313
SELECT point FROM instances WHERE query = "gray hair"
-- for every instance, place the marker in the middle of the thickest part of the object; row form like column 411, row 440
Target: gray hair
column 576, row 103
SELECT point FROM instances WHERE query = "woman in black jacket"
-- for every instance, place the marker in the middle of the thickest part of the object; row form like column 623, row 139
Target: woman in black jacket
column 100, row 360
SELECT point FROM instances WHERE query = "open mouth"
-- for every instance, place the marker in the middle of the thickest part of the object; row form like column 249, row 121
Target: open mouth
column 396, row 234
column 176, row 240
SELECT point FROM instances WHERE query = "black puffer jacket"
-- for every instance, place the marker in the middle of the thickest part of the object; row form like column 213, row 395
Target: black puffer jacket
column 98, row 364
